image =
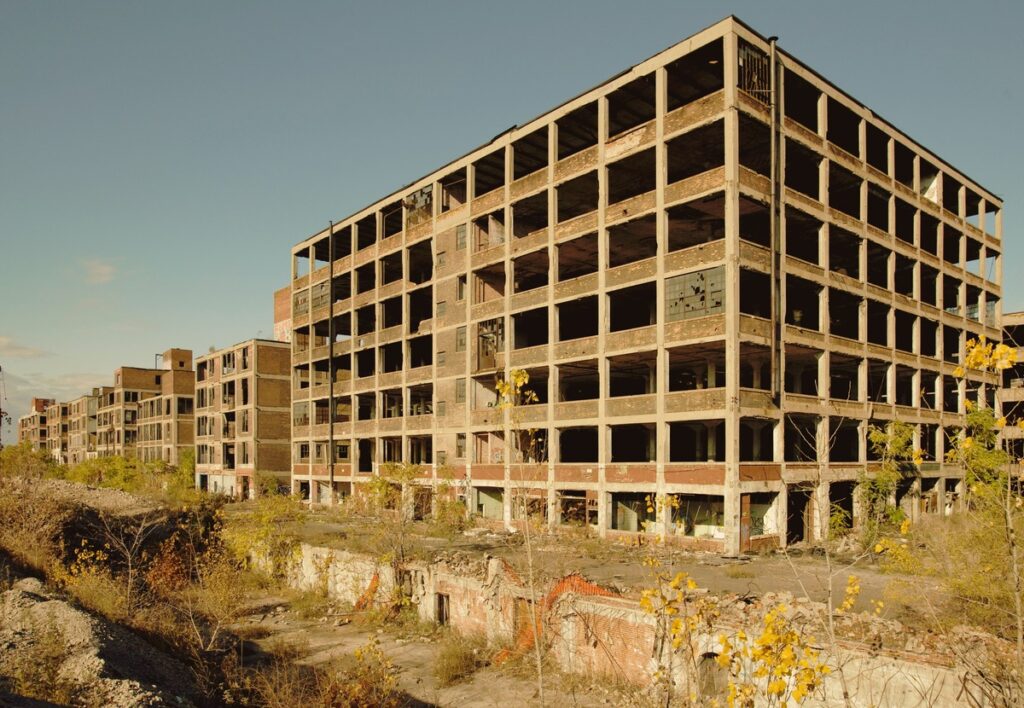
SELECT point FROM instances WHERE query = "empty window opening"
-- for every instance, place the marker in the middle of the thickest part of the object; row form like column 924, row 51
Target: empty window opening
column 577, row 130
column 577, row 196
column 632, row 374
column 697, row 151
column 800, row 438
column 950, row 394
column 905, row 385
column 843, row 314
column 578, row 381
column 696, row 441
column 700, row 516
column 631, row 105
column 530, row 153
column 539, row 380
column 878, row 207
column 577, row 444
column 366, row 454
column 695, row 75
column 929, row 185
column 530, row 328
column 929, row 234
column 342, row 243
column 453, row 190
column 972, row 209
column 489, row 230
column 840, row 499
column 632, row 176
column 321, row 254
column 419, row 206
column 755, row 366
column 342, row 368
column 320, row 295
column 843, row 127
column 577, row 507
column 633, row 307
column 755, row 145
column 755, row 223
column 904, row 164
column 489, row 173
column 803, row 303
column 489, row 283
column 844, row 440
column 878, row 148
column 630, row 511
column 754, row 75
column 485, row 392
column 951, row 194
column 951, row 294
column 696, row 367
column 801, row 372
column 972, row 303
column 366, row 319
column 421, row 351
column 844, row 377
column 928, row 337
column 878, row 323
column 366, row 231
column 391, row 268
column 530, row 271
column 300, row 263
column 421, row 263
column 391, row 357
column 530, row 215
column 577, row 257
column 905, row 331
column 366, row 278
column 755, row 293
column 696, row 222
column 878, row 265
column 633, row 241
column 878, row 381
column 696, row 294
column 903, row 276
column 905, row 215
column 633, row 442
column 341, row 287
column 391, row 219
column 421, row 308
column 577, row 318
column 844, row 252
column 365, row 363
column 972, row 259
column 803, row 236
column 803, row 168
column 950, row 344
column 929, row 440
column 391, row 403
column 391, row 312
column 490, row 339
column 757, row 439
column 801, row 101
column 843, row 190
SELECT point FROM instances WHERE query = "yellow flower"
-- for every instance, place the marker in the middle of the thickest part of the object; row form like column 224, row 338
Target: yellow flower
column 879, row 548
column 1001, row 423
column 959, row 372
column 905, row 527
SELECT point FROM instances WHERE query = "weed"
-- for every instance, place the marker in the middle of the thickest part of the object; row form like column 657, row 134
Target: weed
column 457, row 658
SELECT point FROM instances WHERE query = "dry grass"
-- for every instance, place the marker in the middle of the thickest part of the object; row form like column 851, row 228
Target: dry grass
column 33, row 670
column 457, row 659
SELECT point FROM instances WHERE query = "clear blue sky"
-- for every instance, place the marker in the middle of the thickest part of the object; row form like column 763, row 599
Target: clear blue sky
column 159, row 159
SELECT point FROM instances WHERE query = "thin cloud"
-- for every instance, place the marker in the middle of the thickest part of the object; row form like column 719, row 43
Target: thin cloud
column 9, row 349
column 21, row 388
column 98, row 272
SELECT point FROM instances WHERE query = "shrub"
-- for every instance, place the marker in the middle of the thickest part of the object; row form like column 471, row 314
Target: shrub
column 456, row 660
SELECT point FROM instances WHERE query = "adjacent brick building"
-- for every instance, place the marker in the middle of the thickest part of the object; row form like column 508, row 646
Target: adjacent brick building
column 57, row 431
column 714, row 293
column 32, row 427
column 243, row 397
column 82, row 425
column 167, row 420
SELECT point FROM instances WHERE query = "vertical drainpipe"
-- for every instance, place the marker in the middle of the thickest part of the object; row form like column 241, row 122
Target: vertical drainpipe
column 330, row 358
column 776, row 288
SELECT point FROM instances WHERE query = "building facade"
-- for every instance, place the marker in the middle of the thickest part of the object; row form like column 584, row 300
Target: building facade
column 167, row 420
column 57, row 430
column 718, row 269
column 32, row 427
column 243, row 403
column 118, row 429
column 82, row 425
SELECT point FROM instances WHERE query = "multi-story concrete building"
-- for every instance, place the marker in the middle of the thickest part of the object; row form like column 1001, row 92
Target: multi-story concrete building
column 1011, row 395
column 167, row 420
column 717, row 268
column 117, row 416
column 82, row 425
column 57, row 416
column 32, row 426
column 243, row 403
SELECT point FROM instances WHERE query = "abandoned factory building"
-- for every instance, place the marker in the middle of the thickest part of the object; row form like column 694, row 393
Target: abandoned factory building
column 718, row 270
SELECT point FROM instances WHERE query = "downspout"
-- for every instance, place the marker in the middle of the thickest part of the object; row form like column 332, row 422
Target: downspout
column 330, row 358
column 775, row 227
